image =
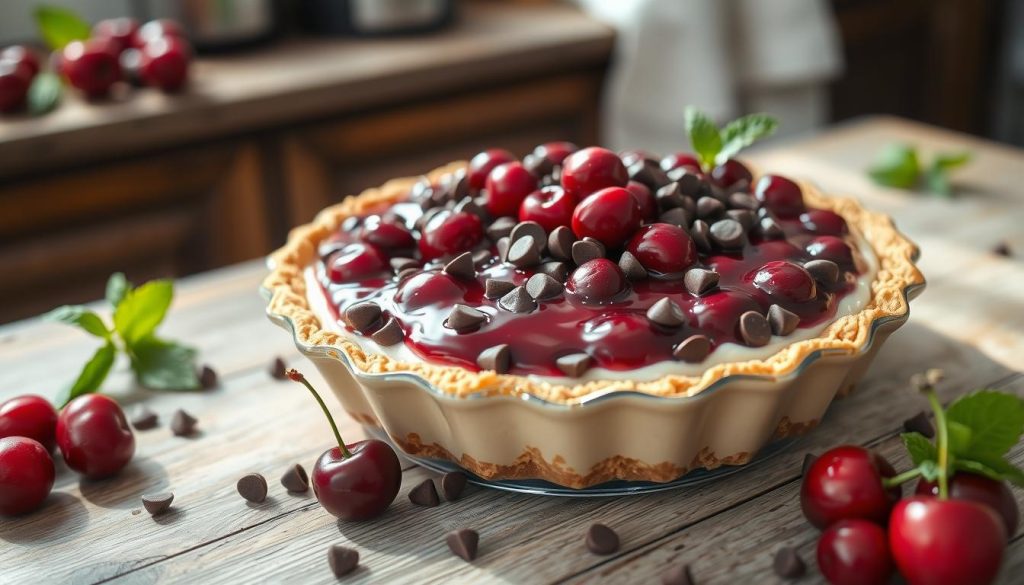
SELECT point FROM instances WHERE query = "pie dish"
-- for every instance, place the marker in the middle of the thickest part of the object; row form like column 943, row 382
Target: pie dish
column 583, row 316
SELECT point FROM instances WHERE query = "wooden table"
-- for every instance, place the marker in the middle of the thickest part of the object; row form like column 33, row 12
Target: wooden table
column 970, row 321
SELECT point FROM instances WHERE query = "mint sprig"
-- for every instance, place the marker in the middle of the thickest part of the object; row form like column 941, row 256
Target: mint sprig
column 158, row 364
column 59, row 26
column 714, row 146
column 900, row 166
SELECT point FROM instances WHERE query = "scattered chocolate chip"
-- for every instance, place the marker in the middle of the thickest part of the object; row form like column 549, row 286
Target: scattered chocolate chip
column 574, row 364
column 709, row 208
column 452, row 485
column 390, row 334
column 676, row 216
column 342, row 559
column 362, row 316
column 743, row 201
column 693, row 349
column 400, row 264
column 647, row 172
column 542, row 287
column 495, row 289
column 468, row 205
column 428, row 215
column 809, row 459
column 560, row 242
column 530, row 228
column 700, row 280
column 461, row 267
column 518, row 301
column 207, row 377
column 252, row 487
column 407, row 273
column 788, row 564
column 278, row 369
column 463, row 319
column 481, row 257
column 602, row 540
column 679, row 575
column 666, row 312
column 424, row 494
column 584, row 251
column 770, row 229
column 555, row 269
column 157, row 503
column 183, row 424
column 538, row 165
column 728, row 233
column 919, row 423
column 1002, row 249
column 523, row 253
column 295, row 479
column 701, row 234
column 500, row 228
column 824, row 271
column 143, row 418
column 755, row 329
column 631, row 267
column 745, row 217
column 497, row 358
column 463, row 543
column 782, row 321
column 690, row 184
column 670, row 197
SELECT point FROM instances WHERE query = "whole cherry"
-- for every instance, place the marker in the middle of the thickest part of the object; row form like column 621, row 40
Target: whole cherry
column 94, row 437
column 21, row 55
column 780, row 195
column 730, row 174
column 663, row 248
column 718, row 312
column 15, row 79
column 449, row 233
column 388, row 235
column 555, row 151
column 854, row 552
column 357, row 481
column 156, row 29
column 596, row 281
column 507, row 186
column 550, row 206
column 164, row 63
column 847, row 482
column 357, row 261
column 29, row 416
column 120, row 31
column 591, row 169
column 680, row 160
column 783, row 280
column 26, row 475
column 978, row 488
column 610, row 216
column 825, row 222
column 481, row 165
column 648, row 203
column 91, row 66
column 831, row 248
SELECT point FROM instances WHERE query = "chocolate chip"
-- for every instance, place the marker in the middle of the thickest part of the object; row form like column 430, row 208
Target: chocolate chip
column 157, row 503
column 690, row 183
column 495, row 289
column 253, row 487
column 390, row 334
column 676, row 216
column 700, row 280
column 647, row 172
column 770, row 229
column 788, row 564
column 555, row 269
column 183, row 424
column 693, row 349
column 709, row 208
column 679, row 575
column 424, row 494
column 468, row 205
column 542, row 287
column 518, row 301
column 497, row 358
column 481, row 257
column 342, row 559
column 602, row 540
column 560, row 242
column 755, row 329
column 362, row 316
column 745, row 217
column 538, row 165
column 400, row 264
column 278, row 369
column 461, row 267
column 500, row 228
column 670, row 197
column 523, row 253
column 207, row 377
column 452, row 485
column 295, row 479
column 143, row 418
column 631, row 267
column 919, row 423
column 701, row 234
column 530, row 228
column 728, row 233
column 1002, row 249
column 463, row 319
column 743, row 201
column 824, row 271
column 809, row 459
column 782, row 321
column 666, row 312
column 463, row 543
column 584, row 251
column 408, row 273
column 574, row 364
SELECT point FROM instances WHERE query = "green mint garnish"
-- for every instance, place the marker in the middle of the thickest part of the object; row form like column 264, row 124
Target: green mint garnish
column 59, row 26
column 714, row 146
column 898, row 165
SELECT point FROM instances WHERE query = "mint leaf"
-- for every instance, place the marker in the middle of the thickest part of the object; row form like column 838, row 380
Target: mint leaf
column 117, row 287
column 164, row 365
column 742, row 132
column 59, row 26
column 938, row 182
column 896, row 166
column 995, row 419
column 44, row 93
column 704, row 136
column 142, row 309
column 81, row 317
column 951, row 160
column 93, row 374
column 919, row 447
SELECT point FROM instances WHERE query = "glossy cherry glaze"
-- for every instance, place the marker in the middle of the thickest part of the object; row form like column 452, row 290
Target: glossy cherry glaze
column 26, row 475
column 29, row 416
column 855, row 552
column 977, row 488
column 845, row 483
column 360, row 486
column 94, row 436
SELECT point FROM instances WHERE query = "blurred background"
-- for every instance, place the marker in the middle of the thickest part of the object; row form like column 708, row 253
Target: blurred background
column 290, row 106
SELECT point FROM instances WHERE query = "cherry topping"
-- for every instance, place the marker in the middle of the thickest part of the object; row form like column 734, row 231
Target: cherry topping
column 449, row 233
column 120, row 31
column 591, row 169
column 550, row 206
column 157, row 29
column 825, row 222
column 780, row 195
column 854, row 552
column 91, row 66
column 646, row 199
column 94, row 436
column 429, row 288
column 831, row 248
column 357, row 261
column 388, row 235
column 597, row 280
column 164, row 63
column 680, row 160
column 718, row 313
column 846, row 482
column 620, row 338
column 21, row 55
column 26, row 475
column 14, row 83
column 555, row 151
column 610, row 216
column 729, row 173
column 29, row 416
column 483, row 163
column 663, row 248
column 981, row 489
column 507, row 187
column 785, row 280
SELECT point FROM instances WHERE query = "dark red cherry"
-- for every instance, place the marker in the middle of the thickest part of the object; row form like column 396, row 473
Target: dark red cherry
column 26, row 475
column 663, row 248
column 429, row 288
column 94, row 437
column 610, row 216
column 831, row 248
column 15, row 80
column 846, row 482
column 21, row 55
column 628, row 157
column 120, row 31
column 780, row 195
column 449, row 233
column 555, row 151
column 597, row 280
column 91, row 66
column 729, row 173
column 718, row 313
column 164, row 63
column 157, row 29
column 855, row 552
column 550, row 206
column 780, row 279
column 824, row 222
column 481, row 165
column 978, row 488
column 29, row 416
column 643, row 196
column 591, row 169
column 388, row 235
column 679, row 160
column 507, row 186
column 357, row 261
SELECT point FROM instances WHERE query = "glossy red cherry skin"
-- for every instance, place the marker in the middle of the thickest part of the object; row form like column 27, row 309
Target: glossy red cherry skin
column 729, row 173
column 663, row 248
column 597, row 280
column 429, row 288
column 92, row 66
column 555, row 151
column 591, row 169
column 718, row 313
column 854, row 552
column 359, row 487
column 357, row 261
column 780, row 195
column 679, row 160
column 21, row 55
column 481, row 165
column 550, row 206
column 507, row 187
column 643, row 196
column 29, row 416
column 784, row 280
column 164, row 63
column 26, row 475
column 156, row 29
column 449, row 233
column 15, row 80
column 610, row 216
column 824, row 222
column 120, row 31
column 845, row 483
column 946, row 542
column 831, row 248
column 981, row 489
column 387, row 235
column 94, row 436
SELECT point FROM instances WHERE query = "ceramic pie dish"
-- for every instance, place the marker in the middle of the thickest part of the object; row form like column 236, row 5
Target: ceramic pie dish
column 586, row 373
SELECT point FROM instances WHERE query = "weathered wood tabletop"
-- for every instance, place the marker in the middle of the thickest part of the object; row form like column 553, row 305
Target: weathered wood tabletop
column 970, row 321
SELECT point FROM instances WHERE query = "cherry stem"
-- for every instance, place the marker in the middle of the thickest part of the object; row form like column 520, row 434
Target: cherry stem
column 902, row 478
column 297, row 377
column 942, row 433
